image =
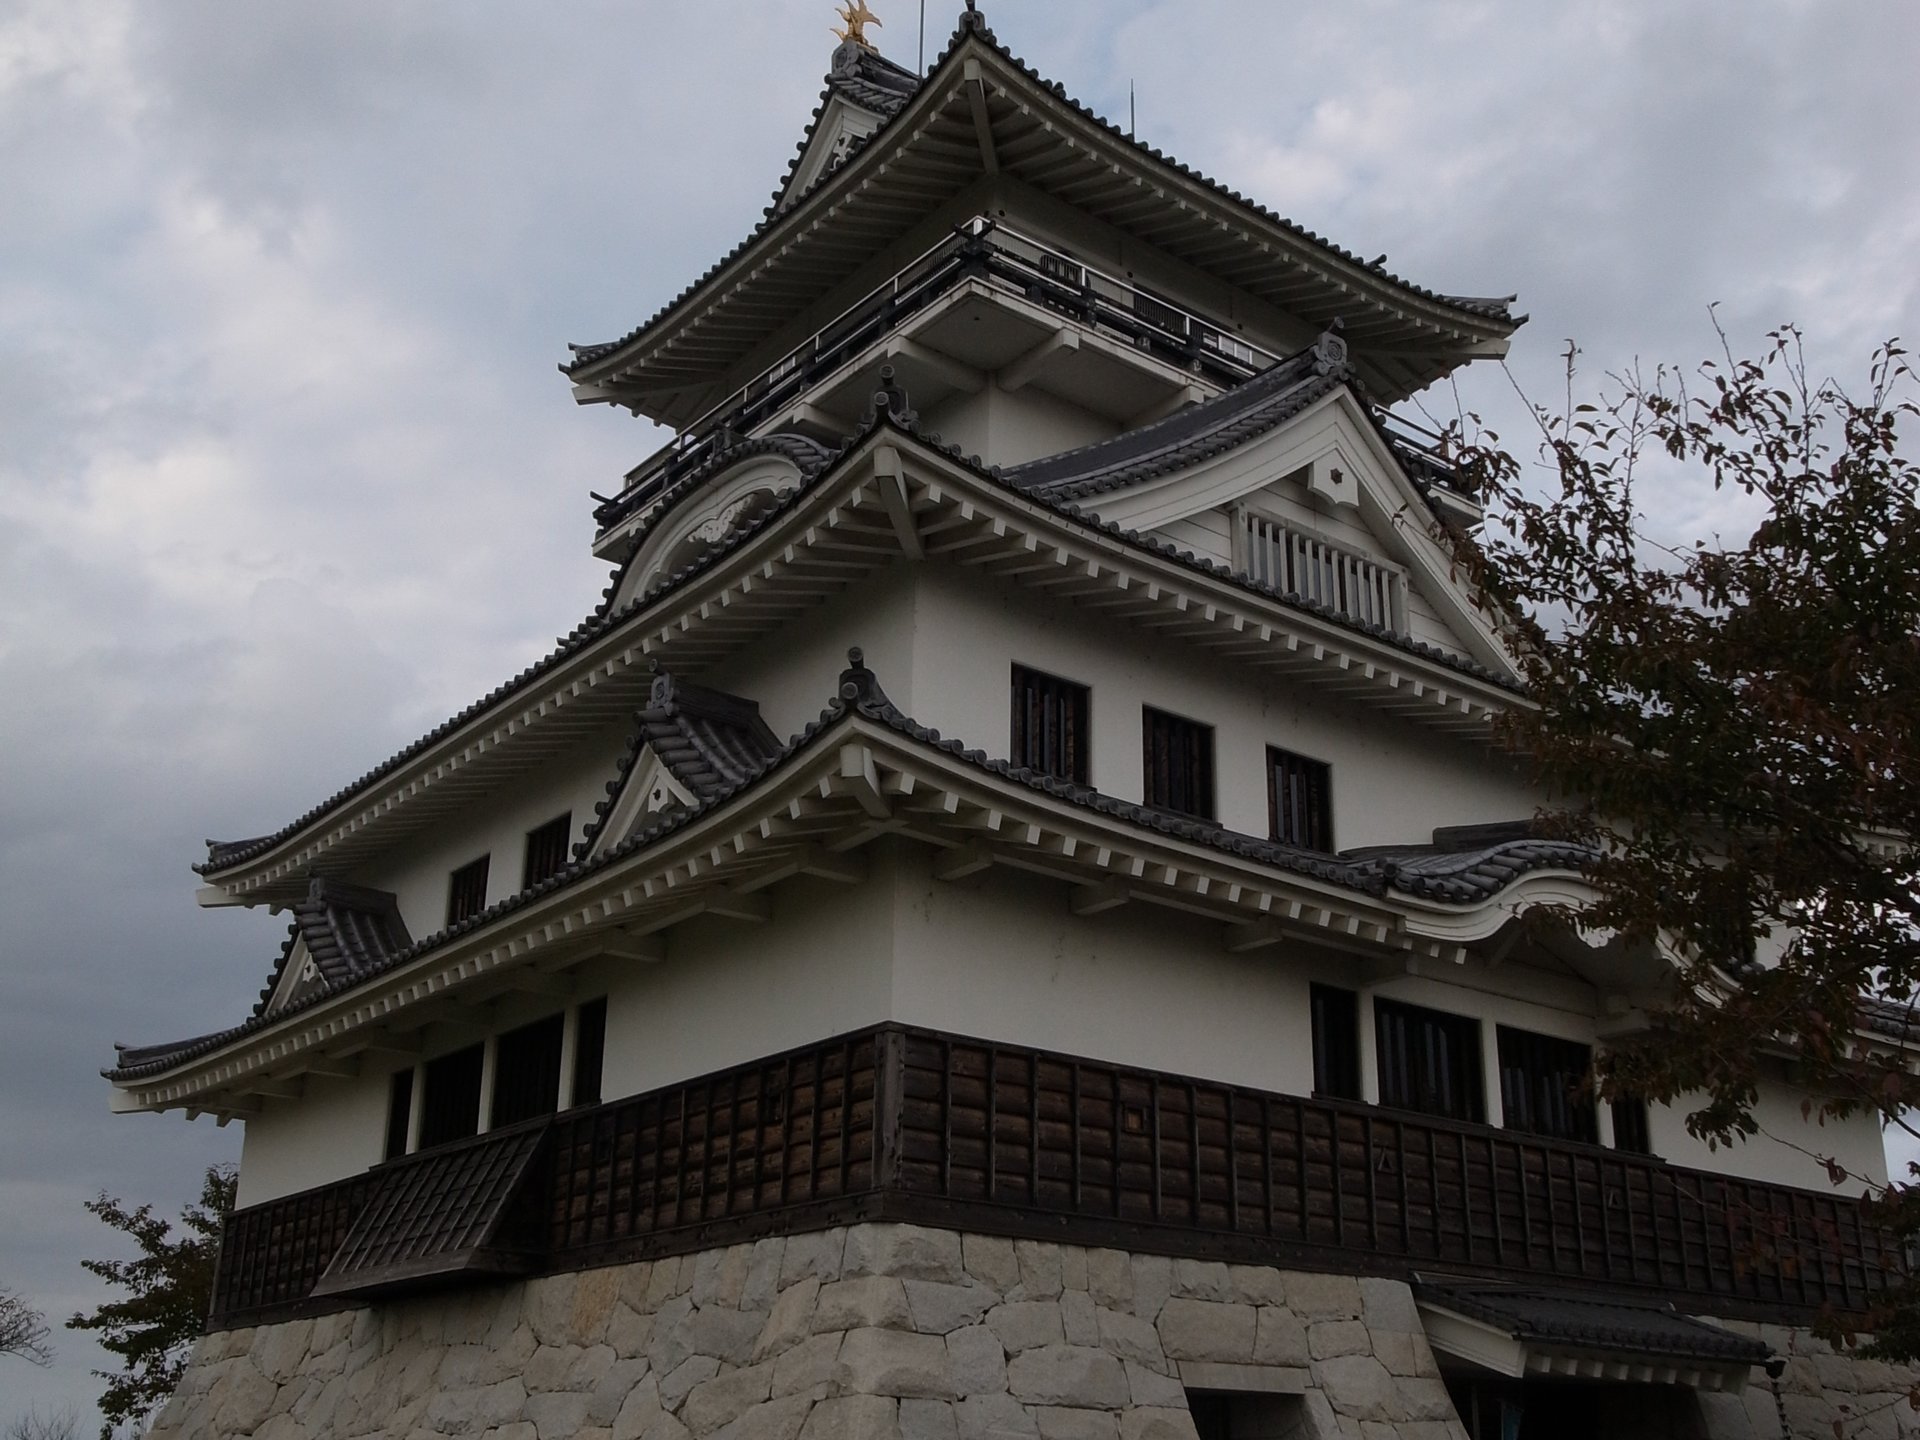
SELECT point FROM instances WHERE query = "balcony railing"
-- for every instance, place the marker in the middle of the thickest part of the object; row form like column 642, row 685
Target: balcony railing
column 982, row 249
column 907, row 1124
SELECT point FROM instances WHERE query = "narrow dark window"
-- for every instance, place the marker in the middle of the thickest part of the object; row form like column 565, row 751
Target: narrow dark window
column 547, row 850
column 1336, row 1043
column 1179, row 763
column 1429, row 1061
column 1050, row 725
column 589, row 1052
column 1540, row 1079
column 526, row 1072
column 450, row 1106
column 1299, row 800
column 399, row 1112
column 1630, row 1126
column 467, row 891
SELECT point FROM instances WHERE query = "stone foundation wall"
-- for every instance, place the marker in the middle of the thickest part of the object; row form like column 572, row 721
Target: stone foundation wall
column 893, row 1332
column 873, row 1332
column 1823, row 1393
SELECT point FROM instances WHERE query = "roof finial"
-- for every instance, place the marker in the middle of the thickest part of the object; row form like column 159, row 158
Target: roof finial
column 857, row 17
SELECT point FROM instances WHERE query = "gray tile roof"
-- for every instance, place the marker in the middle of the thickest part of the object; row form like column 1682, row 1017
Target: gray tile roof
column 1573, row 1319
column 972, row 23
column 1214, row 426
column 711, row 742
column 350, row 930
column 738, row 771
column 605, row 617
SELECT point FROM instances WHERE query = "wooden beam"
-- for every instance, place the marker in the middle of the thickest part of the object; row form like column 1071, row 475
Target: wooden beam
column 1097, row 899
column 976, row 88
column 962, row 861
column 958, row 374
column 890, row 476
column 860, row 778
column 1022, row 372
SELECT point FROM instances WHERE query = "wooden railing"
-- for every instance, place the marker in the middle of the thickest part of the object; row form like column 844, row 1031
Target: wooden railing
column 908, row 1124
column 1345, row 581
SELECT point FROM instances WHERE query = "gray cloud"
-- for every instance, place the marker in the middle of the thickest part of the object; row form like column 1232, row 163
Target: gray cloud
column 287, row 476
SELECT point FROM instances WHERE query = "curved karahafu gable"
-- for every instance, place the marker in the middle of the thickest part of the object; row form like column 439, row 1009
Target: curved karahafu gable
column 981, row 112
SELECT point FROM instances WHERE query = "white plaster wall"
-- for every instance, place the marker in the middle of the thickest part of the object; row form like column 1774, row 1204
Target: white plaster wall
column 1392, row 782
column 1010, row 427
column 730, row 992
column 497, row 825
column 1000, row 956
column 795, row 673
column 337, row 1127
column 1772, row 1155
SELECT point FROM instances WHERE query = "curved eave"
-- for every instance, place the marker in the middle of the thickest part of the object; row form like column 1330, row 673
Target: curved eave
column 981, row 113
column 862, row 772
column 829, row 534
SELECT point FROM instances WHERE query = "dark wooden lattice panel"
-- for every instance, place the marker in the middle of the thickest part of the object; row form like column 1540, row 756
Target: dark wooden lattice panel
column 443, row 1213
column 954, row 1131
column 792, row 1130
column 1031, row 1135
column 273, row 1254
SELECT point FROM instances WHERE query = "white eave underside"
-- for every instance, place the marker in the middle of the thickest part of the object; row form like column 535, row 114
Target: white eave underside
column 833, row 538
column 867, row 781
column 987, row 119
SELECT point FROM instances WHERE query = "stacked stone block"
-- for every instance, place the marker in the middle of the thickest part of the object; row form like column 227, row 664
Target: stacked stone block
column 872, row 1332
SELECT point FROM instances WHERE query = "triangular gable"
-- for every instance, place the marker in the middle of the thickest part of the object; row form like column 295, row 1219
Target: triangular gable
column 690, row 744
column 294, row 978
column 1318, row 506
column 339, row 933
column 864, row 91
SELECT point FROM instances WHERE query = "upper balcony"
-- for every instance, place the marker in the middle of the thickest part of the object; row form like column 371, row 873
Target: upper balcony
column 988, row 301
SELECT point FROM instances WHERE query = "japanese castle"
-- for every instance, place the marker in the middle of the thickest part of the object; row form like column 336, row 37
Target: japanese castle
column 1008, row 921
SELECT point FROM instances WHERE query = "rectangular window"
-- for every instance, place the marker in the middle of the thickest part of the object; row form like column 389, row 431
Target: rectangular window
column 1299, row 800
column 450, row 1106
column 399, row 1112
column 467, row 891
column 526, row 1072
column 1049, row 731
column 1429, row 1061
column 1630, row 1126
column 547, row 850
column 1540, row 1077
column 589, row 1052
column 1179, row 763
column 1336, row 1043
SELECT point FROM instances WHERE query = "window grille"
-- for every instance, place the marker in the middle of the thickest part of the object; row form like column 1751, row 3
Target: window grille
column 547, row 850
column 1294, row 562
column 589, row 1052
column 1178, row 762
column 467, row 891
column 1429, row 1061
column 1539, row 1082
column 450, row 1106
column 526, row 1072
column 1299, row 800
column 1049, row 732
column 1336, row 1043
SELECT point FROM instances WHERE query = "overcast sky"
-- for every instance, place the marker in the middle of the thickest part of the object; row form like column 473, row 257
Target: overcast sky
column 287, row 475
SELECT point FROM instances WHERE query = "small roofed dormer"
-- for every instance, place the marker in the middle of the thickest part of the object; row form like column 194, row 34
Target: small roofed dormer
column 690, row 745
column 340, row 933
